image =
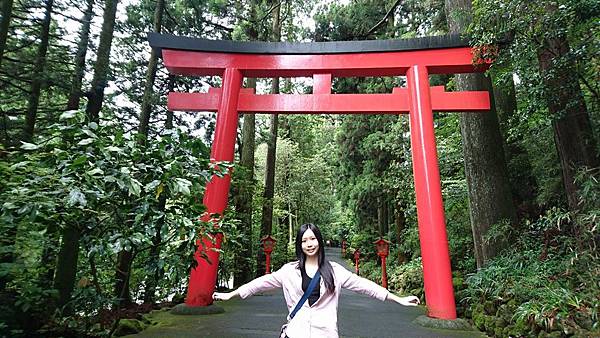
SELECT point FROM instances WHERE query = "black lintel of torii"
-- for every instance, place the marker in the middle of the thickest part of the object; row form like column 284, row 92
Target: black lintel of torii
column 168, row 41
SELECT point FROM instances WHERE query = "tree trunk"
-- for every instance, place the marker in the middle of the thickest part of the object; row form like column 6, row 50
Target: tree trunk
column 150, row 75
column 38, row 75
column 245, row 192
column 523, row 183
column 49, row 255
column 269, row 192
column 6, row 14
column 380, row 221
column 124, row 260
column 78, row 72
column 66, row 267
column 490, row 199
column 384, row 216
column 573, row 135
column 170, row 86
column 143, row 128
column 400, row 222
column 290, row 226
column 153, row 278
column 102, row 66
column 243, row 272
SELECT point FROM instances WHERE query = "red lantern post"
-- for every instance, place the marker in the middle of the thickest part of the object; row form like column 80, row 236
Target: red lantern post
column 383, row 249
column 343, row 247
column 268, row 243
column 356, row 258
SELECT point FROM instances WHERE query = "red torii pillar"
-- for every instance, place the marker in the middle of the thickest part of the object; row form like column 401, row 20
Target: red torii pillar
column 419, row 99
column 203, row 277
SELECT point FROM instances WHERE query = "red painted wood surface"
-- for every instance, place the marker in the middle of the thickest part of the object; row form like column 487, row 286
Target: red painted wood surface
column 395, row 103
column 437, row 61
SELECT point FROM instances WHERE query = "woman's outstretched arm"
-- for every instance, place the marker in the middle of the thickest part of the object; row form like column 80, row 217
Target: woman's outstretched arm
column 362, row 285
column 263, row 283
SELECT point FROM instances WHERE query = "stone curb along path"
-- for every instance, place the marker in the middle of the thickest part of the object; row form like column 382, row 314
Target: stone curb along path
column 262, row 316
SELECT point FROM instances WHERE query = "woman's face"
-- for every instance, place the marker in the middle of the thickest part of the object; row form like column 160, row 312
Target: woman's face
column 310, row 244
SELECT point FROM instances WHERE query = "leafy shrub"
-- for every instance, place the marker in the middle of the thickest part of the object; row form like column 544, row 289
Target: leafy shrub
column 548, row 286
column 407, row 278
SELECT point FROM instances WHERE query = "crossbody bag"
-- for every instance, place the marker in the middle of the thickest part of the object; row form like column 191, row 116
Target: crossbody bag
column 313, row 283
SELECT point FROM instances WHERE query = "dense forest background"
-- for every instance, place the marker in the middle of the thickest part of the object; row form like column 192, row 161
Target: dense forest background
column 101, row 185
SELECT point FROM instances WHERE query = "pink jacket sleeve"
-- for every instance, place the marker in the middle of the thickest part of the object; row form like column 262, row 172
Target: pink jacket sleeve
column 263, row 283
column 351, row 281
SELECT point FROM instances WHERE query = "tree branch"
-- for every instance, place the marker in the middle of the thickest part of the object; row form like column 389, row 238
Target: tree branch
column 383, row 20
column 589, row 87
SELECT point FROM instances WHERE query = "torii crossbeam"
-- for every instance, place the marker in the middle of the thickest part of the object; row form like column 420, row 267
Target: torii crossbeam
column 414, row 58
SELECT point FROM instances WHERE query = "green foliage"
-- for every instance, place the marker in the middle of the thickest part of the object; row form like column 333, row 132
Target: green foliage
column 407, row 279
column 99, row 180
column 521, row 38
column 543, row 286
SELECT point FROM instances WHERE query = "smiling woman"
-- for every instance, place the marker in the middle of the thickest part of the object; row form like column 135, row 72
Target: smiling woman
column 312, row 277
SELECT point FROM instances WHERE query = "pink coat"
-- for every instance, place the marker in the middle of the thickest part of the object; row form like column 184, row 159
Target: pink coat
column 319, row 320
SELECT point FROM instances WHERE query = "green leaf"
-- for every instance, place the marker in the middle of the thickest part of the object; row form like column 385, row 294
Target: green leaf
column 76, row 197
column 95, row 171
column 115, row 149
column 182, row 185
column 69, row 114
column 160, row 189
column 80, row 160
column 29, row 146
column 135, row 187
column 85, row 142
column 151, row 186
column 9, row 205
column 89, row 133
column 19, row 165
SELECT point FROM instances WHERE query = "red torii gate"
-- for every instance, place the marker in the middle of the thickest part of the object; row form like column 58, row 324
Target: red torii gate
column 415, row 58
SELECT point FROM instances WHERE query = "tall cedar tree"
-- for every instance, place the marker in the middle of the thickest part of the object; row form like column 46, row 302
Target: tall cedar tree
column 490, row 198
column 82, row 46
column 5, row 15
column 269, row 192
column 66, row 266
column 102, row 65
column 94, row 105
column 243, row 202
column 38, row 75
column 573, row 135
column 153, row 278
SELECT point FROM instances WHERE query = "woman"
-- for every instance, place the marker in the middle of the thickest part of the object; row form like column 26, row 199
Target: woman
column 318, row 315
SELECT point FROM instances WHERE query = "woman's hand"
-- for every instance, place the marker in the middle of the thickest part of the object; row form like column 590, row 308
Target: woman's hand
column 409, row 301
column 224, row 295
column 406, row 301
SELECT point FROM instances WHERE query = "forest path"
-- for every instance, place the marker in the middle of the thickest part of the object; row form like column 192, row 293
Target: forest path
column 263, row 315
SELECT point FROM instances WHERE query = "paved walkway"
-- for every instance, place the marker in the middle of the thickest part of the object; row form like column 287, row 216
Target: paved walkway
column 263, row 315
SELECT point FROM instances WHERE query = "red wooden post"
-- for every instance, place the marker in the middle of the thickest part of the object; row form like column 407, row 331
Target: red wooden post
column 356, row 259
column 204, row 276
column 268, row 263
column 383, row 273
column 430, row 209
column 383, row 250
column 268, row 244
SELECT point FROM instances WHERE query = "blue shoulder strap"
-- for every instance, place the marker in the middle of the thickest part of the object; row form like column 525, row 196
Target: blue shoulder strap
column 307, row 293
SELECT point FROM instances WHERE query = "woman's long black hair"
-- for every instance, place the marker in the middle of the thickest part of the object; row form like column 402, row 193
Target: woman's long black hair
column 324, row 265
